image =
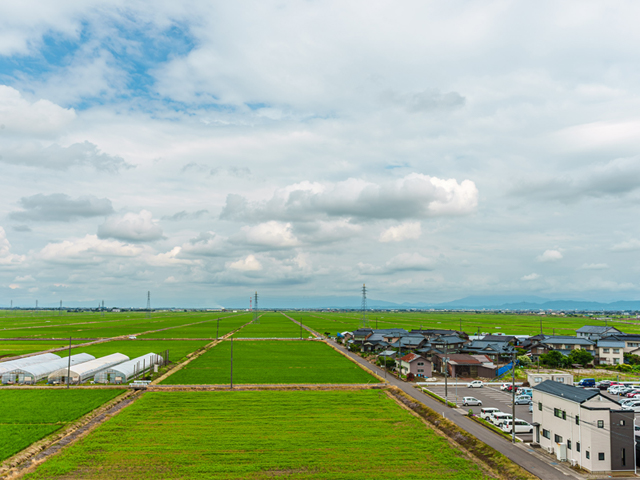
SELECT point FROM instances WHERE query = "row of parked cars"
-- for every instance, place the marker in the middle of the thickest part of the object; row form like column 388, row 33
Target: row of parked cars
column 504, row 421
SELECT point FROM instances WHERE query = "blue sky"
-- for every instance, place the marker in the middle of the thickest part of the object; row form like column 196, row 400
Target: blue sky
column 206, row 150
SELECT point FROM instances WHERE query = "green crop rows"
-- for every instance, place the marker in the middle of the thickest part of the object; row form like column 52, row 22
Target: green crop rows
column 267, row 362
column 27, row 416
column 10, row 348
column 224, row 435
column 272, row 325
column 210, row 330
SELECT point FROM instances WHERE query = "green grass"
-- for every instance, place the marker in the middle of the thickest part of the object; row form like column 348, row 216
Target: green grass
column 10, row 348
column 267, row 362
column 260, row 435
column 27, row 416
column 272, row 325
column 178, row 349
column 210, row 329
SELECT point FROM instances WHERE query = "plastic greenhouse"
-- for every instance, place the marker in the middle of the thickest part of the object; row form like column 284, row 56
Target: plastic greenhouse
column 124, row 372
column 27, row 361
column 84, row 371
column 34, row 373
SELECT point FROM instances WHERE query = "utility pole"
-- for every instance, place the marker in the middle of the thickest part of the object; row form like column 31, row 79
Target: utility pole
column 149, row 304
column 256, row 317
column 232, row 362
column 218, row 330
column 446, row 373
column 60, row 311
column 513, row 398
column 69, row 363
column 364, row 323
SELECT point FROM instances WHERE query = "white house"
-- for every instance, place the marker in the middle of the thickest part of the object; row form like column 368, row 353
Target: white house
column 584, row 428
column 610, row 352
column 537, row 378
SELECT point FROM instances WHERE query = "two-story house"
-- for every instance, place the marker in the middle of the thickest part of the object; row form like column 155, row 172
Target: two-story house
column 610, row 352
column 583, row 427
column 595, row 332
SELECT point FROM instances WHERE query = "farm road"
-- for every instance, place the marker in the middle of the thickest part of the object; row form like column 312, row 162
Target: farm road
column 521, row 454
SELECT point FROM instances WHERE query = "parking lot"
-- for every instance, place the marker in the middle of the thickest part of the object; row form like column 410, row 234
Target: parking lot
column 490, row 396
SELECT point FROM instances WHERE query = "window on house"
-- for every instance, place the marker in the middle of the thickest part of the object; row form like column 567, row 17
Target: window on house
column 616, row 350
column 546, row 433
column 561, row 380
column 577, row 446
column 605, row 350
column 557, row 438
column 560, row 413
column 577, row 419
column 537, row 379
column 569, row 444
column 600, row 423
column 616, row 361
column 421, row 370
column 540, row 406
column 587, row 454
column 420, row 364
column 601, row 456
column 623, row 457
column 622, row 422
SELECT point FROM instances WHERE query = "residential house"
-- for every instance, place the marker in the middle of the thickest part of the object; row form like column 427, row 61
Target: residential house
column 409, row 342
column 461, row 365
column 448, row 343
column 498, row 352
column 563, row 343
column 631, row 342
column 537, row 378
column 413, row 363
column 584, row 428
column 610, row 352
column 594, row 332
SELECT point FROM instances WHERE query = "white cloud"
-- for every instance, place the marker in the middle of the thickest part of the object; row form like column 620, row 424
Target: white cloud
column 131, row 227
column 594, row 266
column 413, row 196
column 87, row 250
column 404, row 231
column 6, row 257
column 549, row 256
column 248, row 264
column 627, row 246
column 207, row 244
column 42, row 117
column 270, row 234
column 531, row 276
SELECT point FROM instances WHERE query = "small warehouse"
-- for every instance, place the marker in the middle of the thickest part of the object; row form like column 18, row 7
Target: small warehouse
column 85, row 371
column 27, row 361
column 126, row 371
column 34, row 373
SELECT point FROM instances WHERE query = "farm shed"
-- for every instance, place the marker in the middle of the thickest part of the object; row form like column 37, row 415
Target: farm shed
column 84, row 371
column 35, row 373
column 123, row 372
column 27, row 361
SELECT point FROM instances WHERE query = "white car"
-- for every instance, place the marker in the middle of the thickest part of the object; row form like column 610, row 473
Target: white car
column 523, row 400
column 475, row 384
column 521, row 426
column 485, row 413
column 633, row 406
column 505, row 386
column 471, row 401
column 499, row 418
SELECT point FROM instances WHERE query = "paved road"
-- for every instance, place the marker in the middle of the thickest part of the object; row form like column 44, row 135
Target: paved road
column 520, row 453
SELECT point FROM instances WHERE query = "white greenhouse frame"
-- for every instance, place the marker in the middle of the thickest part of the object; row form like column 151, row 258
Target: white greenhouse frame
column 83, row 372
column 124, row 372
column 27, row 361
column 34, row 373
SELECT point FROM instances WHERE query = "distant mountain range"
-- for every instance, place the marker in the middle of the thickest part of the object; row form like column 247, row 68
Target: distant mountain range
column 495, row 302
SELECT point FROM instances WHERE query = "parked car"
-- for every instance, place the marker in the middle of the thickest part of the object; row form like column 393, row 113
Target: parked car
column 604, row 384
column 466, row 401
column 521, row 426
column 500, row 418
column 485, row 413
column 633, row 392
column 523, row 400
column 614, row 389
column 587, row 382
column 633, row 406
column 524, row 391
column 475, row 384
column 505, row 387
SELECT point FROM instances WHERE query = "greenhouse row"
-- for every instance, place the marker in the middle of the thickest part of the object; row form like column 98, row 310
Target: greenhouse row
column 27, row 361
column 123, row 372
column 34, row 373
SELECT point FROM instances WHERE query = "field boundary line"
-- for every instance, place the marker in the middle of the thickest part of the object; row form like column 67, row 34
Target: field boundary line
column 369, row 371
column 310, row 330
column 271, row 386
column 26, row 460
column 192, row 356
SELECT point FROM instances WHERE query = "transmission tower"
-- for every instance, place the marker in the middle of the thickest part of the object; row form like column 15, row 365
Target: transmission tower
column 364, row 323
column 256, row 318
column 149, row 304
column 60, row 310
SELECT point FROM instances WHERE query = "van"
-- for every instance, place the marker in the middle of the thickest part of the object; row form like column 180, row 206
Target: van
column 587, row 382
column 524, row 391
column 499, row 418
column 485, row 413
column 521, row 426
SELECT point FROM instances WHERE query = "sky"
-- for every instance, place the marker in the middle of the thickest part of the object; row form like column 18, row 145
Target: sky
column 207, row 150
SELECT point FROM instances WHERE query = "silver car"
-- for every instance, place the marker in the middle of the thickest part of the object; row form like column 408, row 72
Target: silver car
column 467, row 401
column 523, row 400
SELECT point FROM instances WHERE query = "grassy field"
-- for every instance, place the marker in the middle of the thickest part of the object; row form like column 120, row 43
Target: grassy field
column 10, row 348
column 178, row 349
column 259, row 435
column 211, row 329
column 272, row 325
column 29, row 415
column 266, row 362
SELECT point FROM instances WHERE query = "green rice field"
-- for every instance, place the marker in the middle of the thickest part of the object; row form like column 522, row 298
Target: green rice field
column 11, row 348
column 272, row 325
column 270, row 362
column 260, row 435
column 210, row 329
column 26, row 416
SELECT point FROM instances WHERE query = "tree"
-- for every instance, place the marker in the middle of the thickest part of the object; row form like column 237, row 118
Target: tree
column 524, row 360
column 580, row 356
column 632, row 359
column 553, row 359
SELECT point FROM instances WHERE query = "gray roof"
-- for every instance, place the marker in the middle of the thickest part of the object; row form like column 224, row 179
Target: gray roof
column 610, row 344
column 568, row 392
column 595, row 329
column 626, row 337
column 567, row 340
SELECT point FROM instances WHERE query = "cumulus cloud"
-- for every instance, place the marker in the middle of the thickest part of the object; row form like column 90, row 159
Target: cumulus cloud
column 404, row 231
column 248, row 264
column 425, row 101
column 56, row 157
column 530, row 277
column 6, row 257
column 414, row 196
column 87, row 250
column 549, row 256
column 131, row 227
column 61, row 207
column 404, row 262
column 207, row 244
column 627, row 246
column 269, row 234
column 42, row 117
column 184, row 215
column 594, row 266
